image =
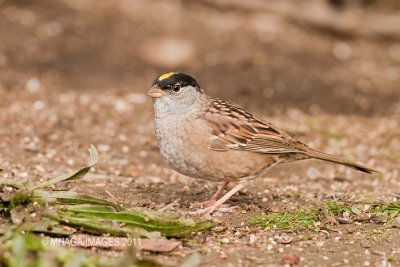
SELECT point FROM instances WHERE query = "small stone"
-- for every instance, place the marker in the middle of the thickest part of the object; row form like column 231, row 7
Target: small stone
column 186, row 188
column 123, row 137
column 365, row 244
column 39, row 168
column 355, row 210
column 32, row 85
column 120, row 106
column 344, row 220
column 291, row 259
column 253, row 238
column 396, row 222
column 225, row 240
column 313, row 173
column 143, row 153
column 342, row 51
column 53, row 28
column 223, row 255
column 23, row 174
column 285, row 239
column 38, row 105
column 104, row 148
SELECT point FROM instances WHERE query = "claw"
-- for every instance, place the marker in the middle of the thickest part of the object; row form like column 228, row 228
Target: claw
column 206, row 204
column 219, row 204
column 209, row 210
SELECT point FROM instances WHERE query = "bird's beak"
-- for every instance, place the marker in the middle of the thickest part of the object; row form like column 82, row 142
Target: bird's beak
column 155, row 92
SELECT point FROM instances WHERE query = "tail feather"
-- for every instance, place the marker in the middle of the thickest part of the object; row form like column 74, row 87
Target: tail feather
column 323, row 156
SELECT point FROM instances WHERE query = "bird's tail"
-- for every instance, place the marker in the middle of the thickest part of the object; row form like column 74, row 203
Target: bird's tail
column 312, row 153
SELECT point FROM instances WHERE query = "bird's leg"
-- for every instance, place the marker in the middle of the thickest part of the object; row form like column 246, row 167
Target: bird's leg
column 217, row 204
column 221, row 201
column 213, row 199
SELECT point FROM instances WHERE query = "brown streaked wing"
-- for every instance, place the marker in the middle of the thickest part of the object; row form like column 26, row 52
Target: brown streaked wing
column 234, row 128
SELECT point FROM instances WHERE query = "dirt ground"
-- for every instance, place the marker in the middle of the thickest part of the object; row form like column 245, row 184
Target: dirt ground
column 74, row 73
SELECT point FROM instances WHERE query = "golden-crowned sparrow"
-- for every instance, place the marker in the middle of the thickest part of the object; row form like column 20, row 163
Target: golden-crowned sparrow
column 208, row 138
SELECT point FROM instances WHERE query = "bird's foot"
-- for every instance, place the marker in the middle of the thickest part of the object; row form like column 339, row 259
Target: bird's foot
column 219, row 204
column 209, row 210
column 213, row 199
column 205, row 204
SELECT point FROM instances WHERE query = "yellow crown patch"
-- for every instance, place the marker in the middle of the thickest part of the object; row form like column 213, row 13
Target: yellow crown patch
column 166, row 76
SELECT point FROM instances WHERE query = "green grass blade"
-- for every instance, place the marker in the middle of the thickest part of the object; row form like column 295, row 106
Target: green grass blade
column 93, row 159
column 172, row 226
column 69, row 197
column 11, row 183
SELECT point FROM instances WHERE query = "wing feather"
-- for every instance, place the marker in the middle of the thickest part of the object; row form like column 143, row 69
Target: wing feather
column 240, row 130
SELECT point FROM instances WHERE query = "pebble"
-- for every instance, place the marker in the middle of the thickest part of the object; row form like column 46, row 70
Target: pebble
column 39, row 168
column 32, row 85
column 103, row 148
column 344, row 220
column 253, row 238
column 120, row 106
column 143, row 153
column 23, row 174
column 186, row 188
column 313, row 173
column 355, row 210
column 38, row 105
column 285, row 239
column 342, row 51
column 223, row 255
column 53, row 28
column 396, row 222
column 225, row 240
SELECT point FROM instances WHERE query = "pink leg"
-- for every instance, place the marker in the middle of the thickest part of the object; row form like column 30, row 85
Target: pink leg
column 213, row 199
column 221, row 201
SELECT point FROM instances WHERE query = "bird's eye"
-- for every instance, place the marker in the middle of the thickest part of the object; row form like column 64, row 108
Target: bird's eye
column 176, row 88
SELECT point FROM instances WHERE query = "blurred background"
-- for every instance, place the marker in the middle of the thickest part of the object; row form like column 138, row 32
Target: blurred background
column 74, row 72
column 336, row 56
